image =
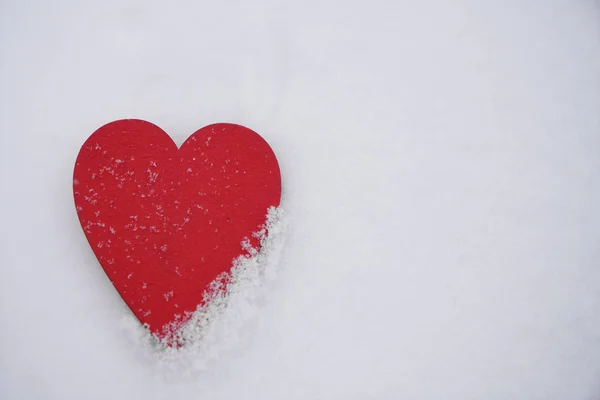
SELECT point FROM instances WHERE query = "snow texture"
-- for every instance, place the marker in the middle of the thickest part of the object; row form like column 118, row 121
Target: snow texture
column 441, row 172
column 231, row 303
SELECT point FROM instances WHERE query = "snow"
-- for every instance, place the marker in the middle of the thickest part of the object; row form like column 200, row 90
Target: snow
column 441, row 172
column 230, row 306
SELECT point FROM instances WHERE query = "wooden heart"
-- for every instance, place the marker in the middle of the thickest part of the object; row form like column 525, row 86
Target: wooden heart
column 166, row 222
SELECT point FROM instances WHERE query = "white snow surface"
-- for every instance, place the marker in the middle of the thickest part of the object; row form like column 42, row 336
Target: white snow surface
column 441, row 173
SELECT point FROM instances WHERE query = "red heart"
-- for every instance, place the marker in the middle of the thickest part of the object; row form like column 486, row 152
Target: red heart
column 165, row 222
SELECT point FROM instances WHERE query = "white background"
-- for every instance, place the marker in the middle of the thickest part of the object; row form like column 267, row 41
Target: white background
column 441, row 172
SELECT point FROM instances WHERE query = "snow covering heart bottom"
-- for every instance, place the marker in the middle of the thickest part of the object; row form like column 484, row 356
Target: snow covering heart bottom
column 168, row 225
